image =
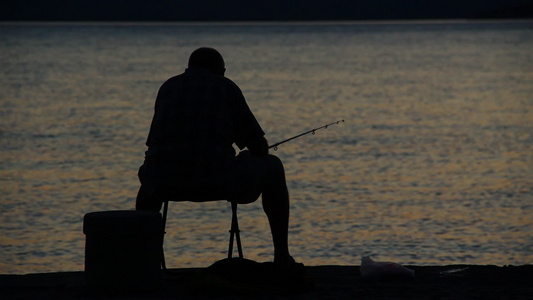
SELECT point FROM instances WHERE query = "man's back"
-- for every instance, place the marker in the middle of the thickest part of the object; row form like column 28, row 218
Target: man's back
column 198, row 116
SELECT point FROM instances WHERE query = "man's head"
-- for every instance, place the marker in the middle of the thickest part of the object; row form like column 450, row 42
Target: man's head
column 207, row 58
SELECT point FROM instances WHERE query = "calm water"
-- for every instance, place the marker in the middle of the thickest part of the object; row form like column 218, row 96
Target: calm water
column 432, row 166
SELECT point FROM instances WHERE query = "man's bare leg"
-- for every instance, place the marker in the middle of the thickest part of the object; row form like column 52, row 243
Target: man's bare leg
column 276, row 206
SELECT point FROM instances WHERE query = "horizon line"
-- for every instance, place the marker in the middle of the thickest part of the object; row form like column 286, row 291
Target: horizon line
column 268, row 22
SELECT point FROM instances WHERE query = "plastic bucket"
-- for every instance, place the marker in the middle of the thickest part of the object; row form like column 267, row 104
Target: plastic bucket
column 123, row 249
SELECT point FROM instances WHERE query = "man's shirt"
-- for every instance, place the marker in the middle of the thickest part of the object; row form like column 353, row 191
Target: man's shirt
column 198, row 116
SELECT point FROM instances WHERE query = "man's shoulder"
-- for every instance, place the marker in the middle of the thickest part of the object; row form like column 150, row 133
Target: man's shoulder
column 174, row 78
column 170, row 83
column 207, row 77
column 231, row 84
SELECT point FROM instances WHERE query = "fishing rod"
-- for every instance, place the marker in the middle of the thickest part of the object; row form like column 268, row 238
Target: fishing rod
column 312, row 131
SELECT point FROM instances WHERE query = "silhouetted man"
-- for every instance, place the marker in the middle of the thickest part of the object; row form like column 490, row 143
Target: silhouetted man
column 198, row 117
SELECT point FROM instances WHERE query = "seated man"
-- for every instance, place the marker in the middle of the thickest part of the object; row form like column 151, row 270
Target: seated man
column 198, row 117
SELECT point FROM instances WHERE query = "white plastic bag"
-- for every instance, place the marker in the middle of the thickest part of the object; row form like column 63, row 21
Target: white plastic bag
column 370, row 268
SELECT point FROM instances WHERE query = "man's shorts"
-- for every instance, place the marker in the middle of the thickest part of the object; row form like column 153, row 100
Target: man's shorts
column 243, row 183
column 251, row 175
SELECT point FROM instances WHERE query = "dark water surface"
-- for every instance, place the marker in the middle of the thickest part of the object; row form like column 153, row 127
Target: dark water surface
column 432, row 166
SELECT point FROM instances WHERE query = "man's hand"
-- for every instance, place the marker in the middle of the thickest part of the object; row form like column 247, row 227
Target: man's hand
column 258, row 146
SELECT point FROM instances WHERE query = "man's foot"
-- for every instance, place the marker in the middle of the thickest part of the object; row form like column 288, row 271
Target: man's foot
column 289, row 265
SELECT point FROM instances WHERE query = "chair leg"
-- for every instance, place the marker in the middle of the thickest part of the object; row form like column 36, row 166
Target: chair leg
column 237, row 232
column 165, row 211
column 234, row 232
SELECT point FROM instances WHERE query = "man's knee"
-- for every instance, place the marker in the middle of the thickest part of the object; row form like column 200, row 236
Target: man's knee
column 275, row 164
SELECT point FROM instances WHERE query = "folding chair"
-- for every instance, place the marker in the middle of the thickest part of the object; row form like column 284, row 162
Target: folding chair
column 234, row 232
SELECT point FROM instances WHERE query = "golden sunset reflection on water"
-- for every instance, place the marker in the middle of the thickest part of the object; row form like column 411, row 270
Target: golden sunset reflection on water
column 432, row 166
